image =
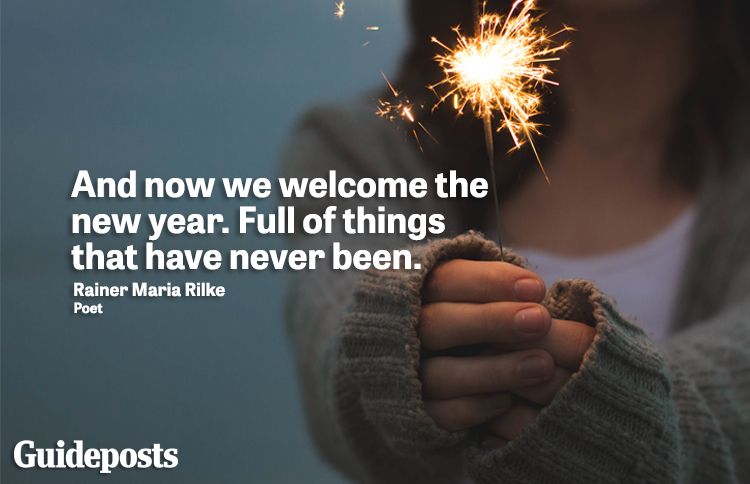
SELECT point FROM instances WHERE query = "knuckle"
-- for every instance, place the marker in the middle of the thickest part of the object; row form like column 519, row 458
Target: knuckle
column 547, row 357
column 525, row 415
column 432, row 409
column 448, row 415
column 436, row 278
column 584, row 338
column 490, row 320
column 431, row 332
column 498, row 376
column 550, row 389
column 498, row 424
column 425, row 375
column 491, row 279
column 429, row 372
column 426, row 319
column 464, row 413
column 437, row 274
column 498, row 404
column 459, row 416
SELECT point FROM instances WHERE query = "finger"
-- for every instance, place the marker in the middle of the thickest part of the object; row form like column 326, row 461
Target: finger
column 545, row 392
column 446, row 377
column 512, row 423
column 566, row 341
column 460, row 280
column 446, row 325
column 463, row 413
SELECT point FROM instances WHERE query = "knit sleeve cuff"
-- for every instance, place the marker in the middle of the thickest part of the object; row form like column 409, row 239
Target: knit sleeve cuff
column 380, row 350
column 613, row 421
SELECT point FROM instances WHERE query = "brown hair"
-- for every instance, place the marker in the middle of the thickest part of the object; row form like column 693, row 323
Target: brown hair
column 701, row 138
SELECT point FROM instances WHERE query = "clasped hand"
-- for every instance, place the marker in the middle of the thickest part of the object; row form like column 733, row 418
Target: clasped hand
column 493, row 356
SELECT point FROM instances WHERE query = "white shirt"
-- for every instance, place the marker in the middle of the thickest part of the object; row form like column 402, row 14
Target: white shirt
column 643, row 280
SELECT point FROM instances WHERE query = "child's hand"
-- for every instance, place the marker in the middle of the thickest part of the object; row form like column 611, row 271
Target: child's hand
column 472, row 302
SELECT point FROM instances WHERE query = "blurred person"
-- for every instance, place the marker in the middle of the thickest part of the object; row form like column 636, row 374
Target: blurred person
column 522, row 369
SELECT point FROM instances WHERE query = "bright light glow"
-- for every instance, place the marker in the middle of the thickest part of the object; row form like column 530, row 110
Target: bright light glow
column 340, row 9
column 499, row 71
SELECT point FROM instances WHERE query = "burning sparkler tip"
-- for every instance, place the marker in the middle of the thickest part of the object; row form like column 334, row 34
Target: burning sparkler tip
column 497, row 71
column 340, row 10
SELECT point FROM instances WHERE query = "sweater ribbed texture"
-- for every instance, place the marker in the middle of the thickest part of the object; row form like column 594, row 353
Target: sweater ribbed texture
column 634, row 412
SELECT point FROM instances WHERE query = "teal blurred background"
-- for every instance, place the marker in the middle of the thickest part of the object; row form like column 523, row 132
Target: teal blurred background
column 169, row 88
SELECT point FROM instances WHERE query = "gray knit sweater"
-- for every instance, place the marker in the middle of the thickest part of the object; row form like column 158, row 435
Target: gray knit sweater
column 634, row 412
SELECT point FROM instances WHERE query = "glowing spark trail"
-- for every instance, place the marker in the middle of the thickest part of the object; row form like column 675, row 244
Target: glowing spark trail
column 401, row 109
column 340, row 9
column 372, row 28
column 499, row 71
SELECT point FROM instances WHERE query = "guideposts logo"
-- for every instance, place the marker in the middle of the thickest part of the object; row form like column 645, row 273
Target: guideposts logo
column 27, row 456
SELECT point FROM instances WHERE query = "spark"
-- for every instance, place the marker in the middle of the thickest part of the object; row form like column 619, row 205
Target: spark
column 365, row 44
column 340, row 9
column 372, row 28
column 402, row 109
column 499, row 71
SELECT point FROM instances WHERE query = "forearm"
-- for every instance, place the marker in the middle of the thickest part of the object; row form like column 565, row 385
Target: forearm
column 635, row 413
column 314, row 307
column 370, row 375
column 710, row 368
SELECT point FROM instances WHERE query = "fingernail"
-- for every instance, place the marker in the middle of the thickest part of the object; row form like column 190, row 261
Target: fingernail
column 534, row 367
column 531, row 290
column 531, row 320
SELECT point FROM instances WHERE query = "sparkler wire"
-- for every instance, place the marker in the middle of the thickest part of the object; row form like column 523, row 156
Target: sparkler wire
column 489, row 141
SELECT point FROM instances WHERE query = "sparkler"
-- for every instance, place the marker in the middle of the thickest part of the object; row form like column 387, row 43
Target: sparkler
column 500, row 70
column 402, row 109
column 340, row 9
